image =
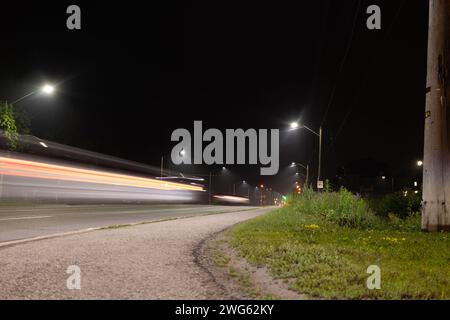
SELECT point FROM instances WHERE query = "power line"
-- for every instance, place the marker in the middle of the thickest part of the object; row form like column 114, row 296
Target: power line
column 370, row 65
column 343, row 62
column 341, row 67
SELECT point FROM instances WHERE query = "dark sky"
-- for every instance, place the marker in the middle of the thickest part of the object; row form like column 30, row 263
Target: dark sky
column 137, row 71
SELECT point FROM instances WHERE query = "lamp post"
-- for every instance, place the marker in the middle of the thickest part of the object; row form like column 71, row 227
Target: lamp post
column 210, row 176
column 210, row 182
column 248, row 189
column 296, row 126
column 182, row 154
column 46, row 89
column 294, row 164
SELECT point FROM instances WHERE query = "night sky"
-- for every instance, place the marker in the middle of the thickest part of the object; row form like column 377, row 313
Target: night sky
column 137, row 71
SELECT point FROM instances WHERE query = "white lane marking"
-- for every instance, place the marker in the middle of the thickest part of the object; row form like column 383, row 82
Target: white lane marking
column 24, row 218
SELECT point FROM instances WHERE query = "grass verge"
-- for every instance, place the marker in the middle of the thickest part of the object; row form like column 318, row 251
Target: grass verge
column 323, row 258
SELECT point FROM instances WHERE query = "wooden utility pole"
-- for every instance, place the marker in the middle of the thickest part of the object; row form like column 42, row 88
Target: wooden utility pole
column 436, row 164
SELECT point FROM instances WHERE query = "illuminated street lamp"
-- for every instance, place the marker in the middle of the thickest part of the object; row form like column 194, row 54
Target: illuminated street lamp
column 295, row 164
column 46, row 89
column 419, row 163
column 295, row 126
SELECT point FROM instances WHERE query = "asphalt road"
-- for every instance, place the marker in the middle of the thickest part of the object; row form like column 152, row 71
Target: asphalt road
column 25, row 222
column 145, row 261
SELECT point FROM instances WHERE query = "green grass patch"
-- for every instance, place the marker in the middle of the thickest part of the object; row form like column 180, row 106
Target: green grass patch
column 325, row 248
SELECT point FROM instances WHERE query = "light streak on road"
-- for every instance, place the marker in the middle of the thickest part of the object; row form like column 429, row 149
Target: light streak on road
column 38, row 179
column 231, row 199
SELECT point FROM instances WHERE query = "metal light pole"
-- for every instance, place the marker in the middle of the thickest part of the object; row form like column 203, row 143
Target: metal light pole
column 248, row 190
column 296, row 125
column 46, row 89
column 304, row 167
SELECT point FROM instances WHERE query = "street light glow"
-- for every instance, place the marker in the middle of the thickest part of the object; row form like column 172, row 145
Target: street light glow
column 420, row 163
column 48, row 89
column 294, row 125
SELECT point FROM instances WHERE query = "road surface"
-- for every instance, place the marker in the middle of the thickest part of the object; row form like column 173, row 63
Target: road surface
column 35, row 221
column 146, row 261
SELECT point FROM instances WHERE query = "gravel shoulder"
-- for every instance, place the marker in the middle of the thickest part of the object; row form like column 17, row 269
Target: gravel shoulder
column 149, row 261
column 238, row 278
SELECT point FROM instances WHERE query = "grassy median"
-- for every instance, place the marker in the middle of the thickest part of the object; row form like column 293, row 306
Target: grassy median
column 323, row 244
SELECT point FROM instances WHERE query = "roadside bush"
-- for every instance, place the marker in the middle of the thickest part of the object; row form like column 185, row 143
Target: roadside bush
column 340, row 207
column 394, row 211
column 399, row 204
column 410, row 223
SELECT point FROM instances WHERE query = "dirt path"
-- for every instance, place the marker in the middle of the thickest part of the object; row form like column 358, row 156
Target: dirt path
column 151, row 261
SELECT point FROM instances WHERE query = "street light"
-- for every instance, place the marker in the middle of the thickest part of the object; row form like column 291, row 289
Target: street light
column 248, row 189
column 420, row 163
column 294, row 164
column 46, row 89
column 296, row 125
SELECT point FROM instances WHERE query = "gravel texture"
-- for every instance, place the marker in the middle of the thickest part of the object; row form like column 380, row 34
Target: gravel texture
column 150, row 261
